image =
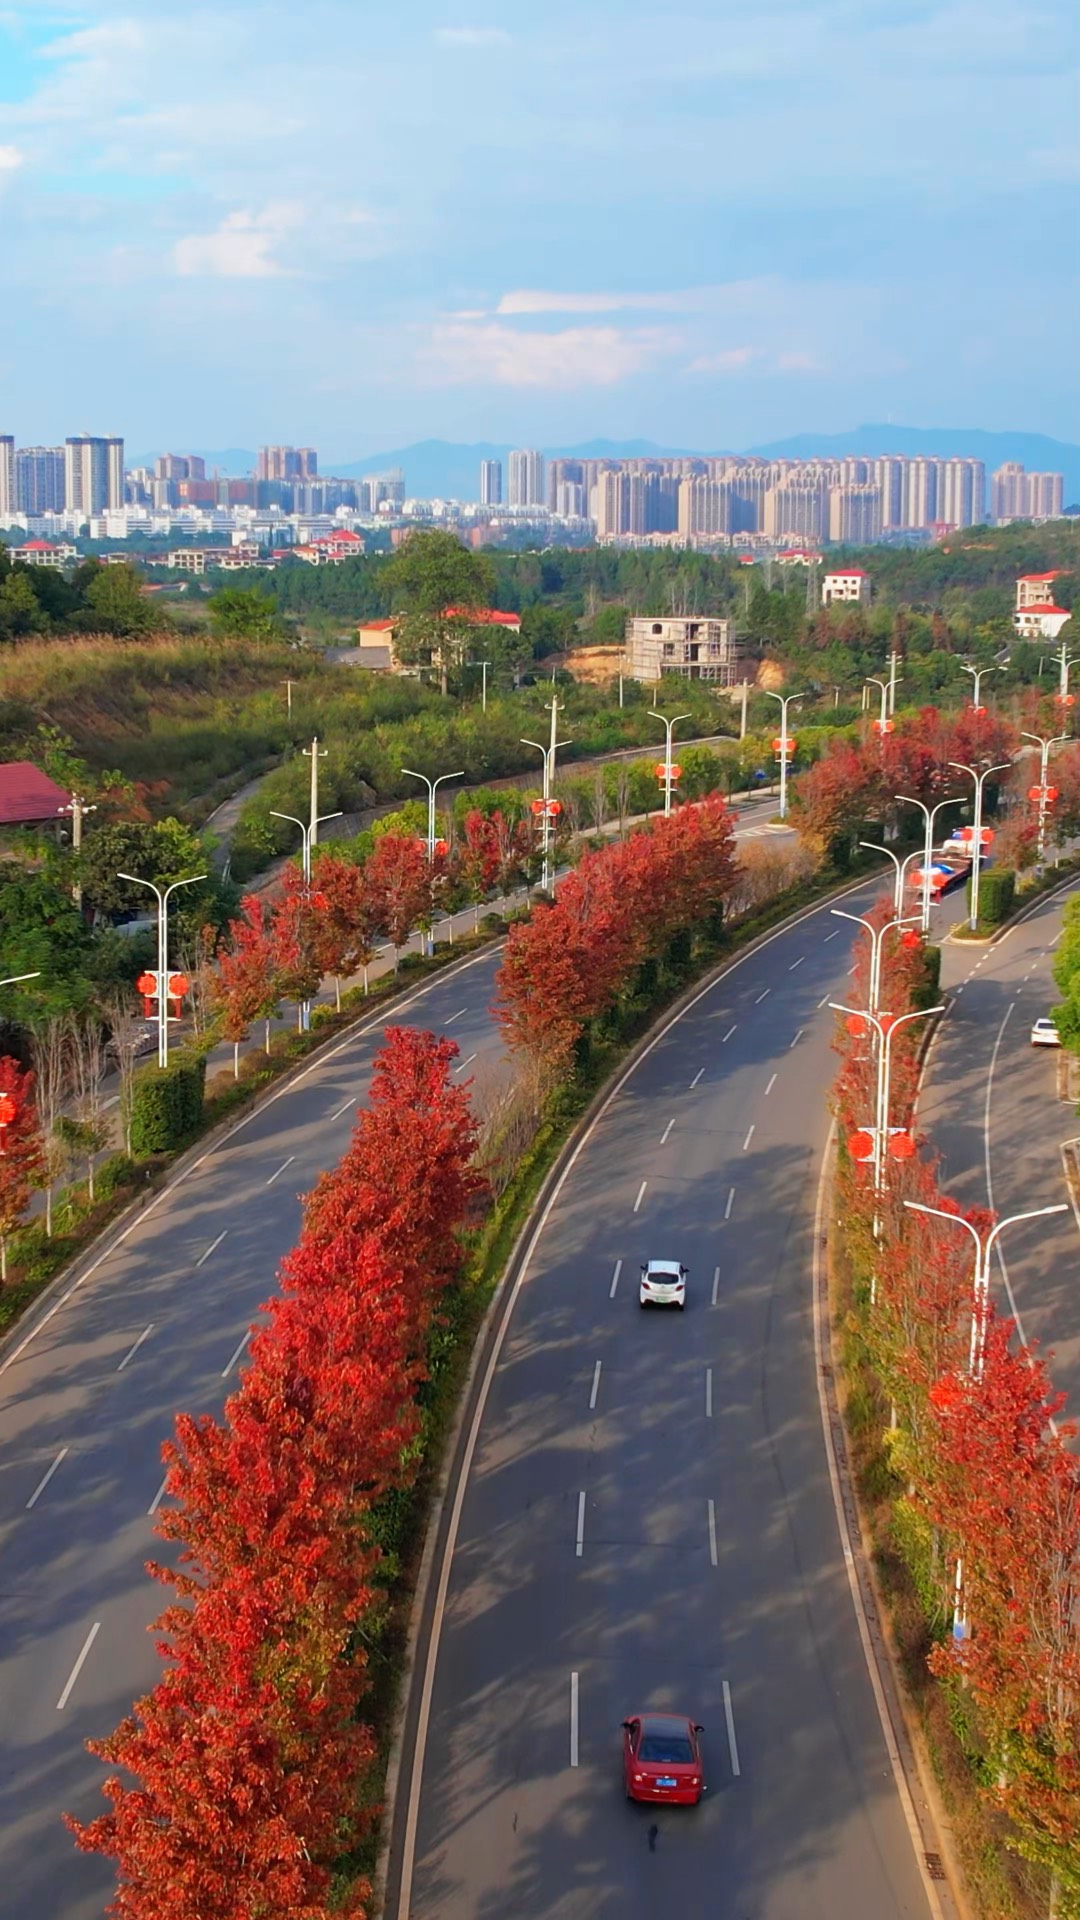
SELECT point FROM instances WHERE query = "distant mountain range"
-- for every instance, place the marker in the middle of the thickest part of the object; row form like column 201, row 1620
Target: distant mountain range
column 450, row 470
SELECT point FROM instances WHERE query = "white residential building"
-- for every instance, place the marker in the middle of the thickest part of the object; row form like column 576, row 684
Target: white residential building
column 851, row 587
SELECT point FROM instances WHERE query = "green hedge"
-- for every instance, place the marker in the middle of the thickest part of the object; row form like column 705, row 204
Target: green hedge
column 167, row 1106
column 997, row 890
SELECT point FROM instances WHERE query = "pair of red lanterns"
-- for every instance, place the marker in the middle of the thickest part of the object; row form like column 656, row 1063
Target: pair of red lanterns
column 900, row 1144
column 147, row 985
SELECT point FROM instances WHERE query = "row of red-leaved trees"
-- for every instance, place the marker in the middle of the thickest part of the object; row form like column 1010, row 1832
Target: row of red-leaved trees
column 237, row 1782
column 985, row 1480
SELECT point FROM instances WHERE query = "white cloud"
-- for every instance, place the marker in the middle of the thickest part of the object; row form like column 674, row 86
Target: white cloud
column 10, row 159
column 798, row 363
column 463, row 354
column 527, row 300
column 728, row 360
column 241, row 248
column 472, row 37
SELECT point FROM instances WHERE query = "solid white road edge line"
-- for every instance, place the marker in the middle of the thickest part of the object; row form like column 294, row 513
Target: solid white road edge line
column 78, row 1667
column 44, row 1481
column 212, row 1248
column 712, row 1533
column 615, row 1279
column 640, row 1195
column 427, row 1688
column 362, row 1032
column 729, row 1716
column 573, row 1719
column 281, row 1169
column 884, row 1717
column 595, row 1387
column 132, row 1351
column 579, row 1544
column 225, row 1371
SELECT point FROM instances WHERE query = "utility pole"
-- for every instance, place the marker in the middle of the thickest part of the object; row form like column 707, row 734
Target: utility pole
column 314, row 753
column 893, row 658
column 548, row 755
column 78, row 808
column 289, row 684
column 980, row 780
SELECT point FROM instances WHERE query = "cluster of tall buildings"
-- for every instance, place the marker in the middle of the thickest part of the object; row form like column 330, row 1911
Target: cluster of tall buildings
column 851, row 501
column 85, row 475
column 286, row 478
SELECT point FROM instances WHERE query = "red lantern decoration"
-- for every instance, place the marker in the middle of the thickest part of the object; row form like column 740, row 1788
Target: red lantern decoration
column 885, row 1021
column 1051, row 795
column 784, row 744
column 555, row 806
column 861, row 1144
column 884, row 726
column 441, row 847
column 1066, row 699
column 8, row 1109
column 910, row 939
column 855, row 1025
column 978, row 709
column 179, row 984
column 146, row 984
column 537, row 806
column 901, row 1144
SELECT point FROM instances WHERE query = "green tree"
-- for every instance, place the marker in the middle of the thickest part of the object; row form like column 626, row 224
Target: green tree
column 244, row 613
column 435, row 583
column 113, row 603
column 20, row 611
column 43, row 932
column 162, row 850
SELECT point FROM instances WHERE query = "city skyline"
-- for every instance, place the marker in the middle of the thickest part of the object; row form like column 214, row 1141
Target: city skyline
column 761, row 224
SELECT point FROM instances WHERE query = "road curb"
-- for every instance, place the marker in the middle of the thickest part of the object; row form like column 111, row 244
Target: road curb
column 72, row 1277
column 403, row 1752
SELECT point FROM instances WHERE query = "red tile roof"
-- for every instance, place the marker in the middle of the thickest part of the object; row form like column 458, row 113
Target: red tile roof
column 1037, row 612
column 1057, row 573
column 485, row 616
column 34, row 546
column 27, row 795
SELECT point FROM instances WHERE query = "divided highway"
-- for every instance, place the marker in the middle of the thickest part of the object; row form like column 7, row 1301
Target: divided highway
column 648, row 1521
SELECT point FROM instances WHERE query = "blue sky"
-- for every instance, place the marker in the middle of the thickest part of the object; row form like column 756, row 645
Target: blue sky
column 354, row 225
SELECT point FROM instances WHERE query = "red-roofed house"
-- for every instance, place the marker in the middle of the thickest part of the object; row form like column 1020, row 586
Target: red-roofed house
column 42, row 553
column 798, row 557
column 1037, row 589
column 851, row 587
column 28, row 797
column 377, row 636
column 1039, row 621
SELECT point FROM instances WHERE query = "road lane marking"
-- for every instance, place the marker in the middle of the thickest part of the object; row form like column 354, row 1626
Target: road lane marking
column 852, row 969
column 712, row 1533
column 830, row 936
column 281, row 1169
column 797, row 1038
column 225, row 1371
column 708, row 1393
column 132, row 1351
column 573, row 1719
column 797, row 963
column 615, row 1279
column 697, row 1077
column 158, row 1497
column 640, row 1195
column 78, row 1667
column 595, row 1387
column 44, row 1481
column 823, row 1002
column 770, row 1086
column 350, row 1102
column 579, row 1545
column 212, row 1248
column 730, row 1203
column 762, row 996
column 455, row 1016
column 749, row 1137
column 667, row 1130
column 729, row 1716
column 728, row 1034
column 716, row 1278
column 462, row 1064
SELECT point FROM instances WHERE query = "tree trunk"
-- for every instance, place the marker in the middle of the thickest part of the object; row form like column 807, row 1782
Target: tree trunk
column 3, row 1258
column 337, row 992
column 365, row 978
column 267, row 1037
column 90, row 1178
column 236, row 1059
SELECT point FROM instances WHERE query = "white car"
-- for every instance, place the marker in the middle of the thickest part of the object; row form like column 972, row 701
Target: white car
column 663, row 1284
column 1045, row 1034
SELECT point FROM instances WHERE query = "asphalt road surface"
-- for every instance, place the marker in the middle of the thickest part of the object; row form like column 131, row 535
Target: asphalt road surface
column 648, row 1520
column 990, row 1104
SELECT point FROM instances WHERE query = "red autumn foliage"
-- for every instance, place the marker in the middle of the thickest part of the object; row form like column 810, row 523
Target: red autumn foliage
column 249, row 1753
column 246, row 985
column 21, row 1156
column 398, row 875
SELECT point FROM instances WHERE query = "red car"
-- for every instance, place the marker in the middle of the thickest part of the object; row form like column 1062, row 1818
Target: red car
column 662, row 1758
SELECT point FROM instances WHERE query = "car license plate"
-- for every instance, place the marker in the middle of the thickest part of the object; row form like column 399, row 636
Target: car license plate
column 666, row 1780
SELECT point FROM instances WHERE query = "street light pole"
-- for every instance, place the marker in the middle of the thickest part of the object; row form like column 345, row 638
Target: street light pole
column 893, row 677
column 980, row 780
column 883, row 686
column 548, row 755
column 981, row 1285
column 306, row 833
column 930, row 814
column 885, row 1026
column 877, row 935
column 1046, row 747
column 785, row 700
column 431, row 785
column 977, row 674
column 162, row 896
column 315, row 753
column 669, row 727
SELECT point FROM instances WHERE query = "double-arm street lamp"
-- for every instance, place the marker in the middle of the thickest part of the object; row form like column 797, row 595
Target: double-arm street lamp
column 162, row 896
column 1046, row 747
column 980, row 780
column 785, row 700
column 976, row 675
column 929, row 814
column 984, row 1246
column 547, row 815
column 883, row 724
column 886, row 1027
column 901, row 867
column 308, row 835
column 669, row 728
column 431, row 785
column 877, row 935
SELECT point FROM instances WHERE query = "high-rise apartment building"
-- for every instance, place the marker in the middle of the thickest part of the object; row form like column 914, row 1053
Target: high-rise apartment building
column 491, row 483
column 920, row 492
column 527, row 478
column 286, row 463
column 888, row 474
column 7, row 477
column 179, row 466
column 706, row 507
column 855, row 514
column 961, row 493
column 93, row 473
column 1016, row 494
column 1045, row 495
column 797, row 507
column 39, row 480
